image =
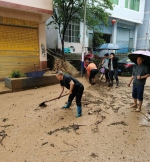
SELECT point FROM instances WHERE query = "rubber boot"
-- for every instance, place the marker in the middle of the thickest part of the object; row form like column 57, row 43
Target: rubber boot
column 90, row 81
column 110, row 84
column 67, row 105
column 117, row 84
column 79, row 111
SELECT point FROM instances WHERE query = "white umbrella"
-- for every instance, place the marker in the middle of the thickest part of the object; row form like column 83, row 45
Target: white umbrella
column 101, row 53
column 108, row 46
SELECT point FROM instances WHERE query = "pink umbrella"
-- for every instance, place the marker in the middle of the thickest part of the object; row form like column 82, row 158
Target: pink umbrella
column 146, row 55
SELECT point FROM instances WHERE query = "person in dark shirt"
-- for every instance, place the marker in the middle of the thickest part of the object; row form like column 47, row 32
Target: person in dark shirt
column 139, row 75
column 75, row 90
column 113, row 69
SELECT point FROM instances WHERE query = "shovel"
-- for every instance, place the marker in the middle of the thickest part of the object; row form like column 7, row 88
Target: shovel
column 43, row 103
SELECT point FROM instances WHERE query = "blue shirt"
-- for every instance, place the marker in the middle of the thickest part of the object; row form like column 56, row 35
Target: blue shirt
column 105, row 65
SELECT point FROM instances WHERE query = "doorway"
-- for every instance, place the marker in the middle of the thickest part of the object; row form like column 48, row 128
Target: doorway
column 105, row 37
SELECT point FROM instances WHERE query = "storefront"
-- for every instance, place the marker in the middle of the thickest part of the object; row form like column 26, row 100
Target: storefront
column 19, row 45
column 23, row 35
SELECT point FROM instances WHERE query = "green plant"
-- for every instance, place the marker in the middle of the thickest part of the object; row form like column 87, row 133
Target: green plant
column 15, row 74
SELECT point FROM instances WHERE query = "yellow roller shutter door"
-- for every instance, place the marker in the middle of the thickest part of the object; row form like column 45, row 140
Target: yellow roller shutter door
column 19, row 49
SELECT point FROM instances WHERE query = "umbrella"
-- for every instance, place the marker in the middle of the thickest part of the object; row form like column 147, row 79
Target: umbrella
column 108, row 46
column 101, row 53
column 146, row 54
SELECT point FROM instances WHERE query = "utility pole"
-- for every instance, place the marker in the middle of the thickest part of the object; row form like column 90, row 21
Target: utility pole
column 83, row 41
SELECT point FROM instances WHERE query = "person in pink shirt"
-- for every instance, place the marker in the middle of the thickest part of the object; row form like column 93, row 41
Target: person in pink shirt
column 91, row 71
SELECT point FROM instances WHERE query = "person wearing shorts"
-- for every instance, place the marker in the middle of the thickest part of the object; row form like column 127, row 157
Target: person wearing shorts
column 91, row 71
column 139, row 75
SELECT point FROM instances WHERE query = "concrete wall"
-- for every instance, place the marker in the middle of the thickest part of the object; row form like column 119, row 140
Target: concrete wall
column 41, row 4
column 51, row 35
column 42, row 40
column 12, row 13
column 42, row 7
column 123, row 13
column 18, row 84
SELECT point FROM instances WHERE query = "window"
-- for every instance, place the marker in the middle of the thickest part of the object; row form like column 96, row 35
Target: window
column 114, row 1
column 73, row 32
column 132, row 4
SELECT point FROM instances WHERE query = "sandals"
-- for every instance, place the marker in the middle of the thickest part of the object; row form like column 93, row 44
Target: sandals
column 137, row 110
column 134, row 106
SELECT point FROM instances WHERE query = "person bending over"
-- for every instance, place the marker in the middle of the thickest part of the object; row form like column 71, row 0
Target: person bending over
column 75, row 90
column 91, row 71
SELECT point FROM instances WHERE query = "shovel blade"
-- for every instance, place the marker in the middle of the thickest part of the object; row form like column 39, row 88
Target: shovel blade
column 42, row 104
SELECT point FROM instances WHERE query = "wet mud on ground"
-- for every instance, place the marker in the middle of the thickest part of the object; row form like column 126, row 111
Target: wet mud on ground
column 109, row 129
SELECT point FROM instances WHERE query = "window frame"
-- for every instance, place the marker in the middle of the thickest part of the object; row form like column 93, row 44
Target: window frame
column 113, row 1
column 72, row 34
column 129, row 3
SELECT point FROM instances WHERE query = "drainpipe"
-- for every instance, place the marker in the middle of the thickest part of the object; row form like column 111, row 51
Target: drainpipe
column 83, row 41
column 135, row 37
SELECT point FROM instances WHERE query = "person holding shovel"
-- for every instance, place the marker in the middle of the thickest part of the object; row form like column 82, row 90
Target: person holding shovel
column 139, row 75
column 75, row 90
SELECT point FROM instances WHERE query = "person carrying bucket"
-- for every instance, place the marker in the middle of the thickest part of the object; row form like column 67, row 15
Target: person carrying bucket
column 75, row 90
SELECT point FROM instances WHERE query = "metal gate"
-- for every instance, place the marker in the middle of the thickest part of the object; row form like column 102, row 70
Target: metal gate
column 19, row 49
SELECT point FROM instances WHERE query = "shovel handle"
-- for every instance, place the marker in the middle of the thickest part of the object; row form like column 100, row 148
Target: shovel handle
column 56, row 98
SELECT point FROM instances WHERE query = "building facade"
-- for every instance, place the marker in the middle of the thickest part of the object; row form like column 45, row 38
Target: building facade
column 143, row 40
column 73, row 37
column 23, row 35
column 128, row 15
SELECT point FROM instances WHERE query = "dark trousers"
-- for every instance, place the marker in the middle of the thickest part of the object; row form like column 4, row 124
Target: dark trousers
column 113, row 74
column 137, row 92
column 106, row 74
column 78, row 94
column 93, row 72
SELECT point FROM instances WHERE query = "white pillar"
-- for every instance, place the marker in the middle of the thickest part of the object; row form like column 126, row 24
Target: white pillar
column 114, row 33
column 42, row 40
column 42, row 46
column 135, row 37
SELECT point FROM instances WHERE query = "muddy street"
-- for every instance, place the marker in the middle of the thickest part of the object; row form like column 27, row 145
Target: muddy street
column 108, row 131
